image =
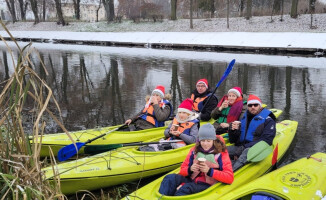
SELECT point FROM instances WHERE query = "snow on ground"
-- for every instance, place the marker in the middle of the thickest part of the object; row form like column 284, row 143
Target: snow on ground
column 238, row 24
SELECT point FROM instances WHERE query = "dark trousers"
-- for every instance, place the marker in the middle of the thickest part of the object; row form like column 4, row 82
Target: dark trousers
column 172, row 181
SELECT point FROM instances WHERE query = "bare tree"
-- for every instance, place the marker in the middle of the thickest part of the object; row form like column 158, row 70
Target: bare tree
column 109, row 9
column 12, row 10
column 312, row 9
column 228, row 13
column 34, row 9
column 98, row 9
column 174, row 9
column 294, row 9
column 241, row 7
column 44, row 10
column 23, row 8
column 212, row 7
column 59, row 12
column 277, row 6
column 77, row 8
column 191, row 8
column 249, row 9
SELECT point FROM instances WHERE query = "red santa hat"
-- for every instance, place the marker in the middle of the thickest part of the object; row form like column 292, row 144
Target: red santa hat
column 236, row 90
column 160, row 90
column 203, row 81
column 253, row 99
column 186, row 106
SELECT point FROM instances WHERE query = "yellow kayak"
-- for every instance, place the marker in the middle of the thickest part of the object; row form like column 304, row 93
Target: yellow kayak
column 285, row 133
column 302, row 179
column 59, row 140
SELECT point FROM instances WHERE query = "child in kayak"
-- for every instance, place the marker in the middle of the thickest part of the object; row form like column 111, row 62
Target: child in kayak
column 206, row 164
column 156, row 111
column 228, row 110
column 184, row 127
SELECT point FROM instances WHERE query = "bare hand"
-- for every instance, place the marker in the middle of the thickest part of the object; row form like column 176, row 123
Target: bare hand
column 128, row 122
column 194, row 167
column 235, row 126
column 176, row 133
column 154, row 100
column 225, row 104
column 203, row 167
column 224, row 125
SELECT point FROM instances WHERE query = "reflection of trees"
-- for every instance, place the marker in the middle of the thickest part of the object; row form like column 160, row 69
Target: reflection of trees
column 245, row 78
column 53, row 73
column 5, row 62
column 305, row 77
column 288, row 88
column 41, row 67
column 65, row 75
column 84, row 78
column 271, row 78
column 175, row 85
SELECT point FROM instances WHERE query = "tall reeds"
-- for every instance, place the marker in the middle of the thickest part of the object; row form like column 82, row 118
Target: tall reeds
column 20, row 165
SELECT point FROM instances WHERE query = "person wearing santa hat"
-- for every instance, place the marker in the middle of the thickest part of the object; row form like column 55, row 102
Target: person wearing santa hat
column 228, row 110
column 258, row 124
column 200, row 96
column 156, row 111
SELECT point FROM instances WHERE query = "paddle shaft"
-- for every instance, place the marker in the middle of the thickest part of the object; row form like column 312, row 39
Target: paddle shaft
column 146, row 143
column 226, row 73
column 104, row 134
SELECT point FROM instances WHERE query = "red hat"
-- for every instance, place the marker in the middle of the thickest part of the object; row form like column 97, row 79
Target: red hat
column 203, row 81
column 236, row 90
column 160, row 90
column 186, row 106
column 253, row 99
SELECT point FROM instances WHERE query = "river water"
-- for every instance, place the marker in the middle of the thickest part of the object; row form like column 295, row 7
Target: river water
column 104, row 86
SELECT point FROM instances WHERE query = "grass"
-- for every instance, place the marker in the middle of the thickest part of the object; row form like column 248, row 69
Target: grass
column 20, row 165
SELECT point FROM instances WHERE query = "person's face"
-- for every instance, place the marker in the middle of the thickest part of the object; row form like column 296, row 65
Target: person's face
column 158, row 97
column 206, row 144
column 232, row 97
column 254, row 108
column 183, row 115
column 201, row 88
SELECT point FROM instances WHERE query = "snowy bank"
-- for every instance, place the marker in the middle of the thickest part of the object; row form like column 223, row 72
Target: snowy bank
column 255, row 42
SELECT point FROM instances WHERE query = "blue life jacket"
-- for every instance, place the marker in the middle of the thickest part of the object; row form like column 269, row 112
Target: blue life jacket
column 248, row 135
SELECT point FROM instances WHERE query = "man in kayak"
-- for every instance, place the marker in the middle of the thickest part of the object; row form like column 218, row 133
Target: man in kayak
column 156, row 111
column 206, row 164
column 184, row 127
column 258, row 124
column 228, row 110
column 200, row 96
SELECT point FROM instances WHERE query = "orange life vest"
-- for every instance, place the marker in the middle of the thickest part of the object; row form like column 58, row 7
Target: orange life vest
column 198, row 102
column 149, row 115
column 184, row 128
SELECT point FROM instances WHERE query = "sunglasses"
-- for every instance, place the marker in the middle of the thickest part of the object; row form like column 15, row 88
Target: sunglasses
column 253, row 105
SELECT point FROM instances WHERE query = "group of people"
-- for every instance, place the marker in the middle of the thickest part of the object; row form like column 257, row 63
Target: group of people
column 209, row 161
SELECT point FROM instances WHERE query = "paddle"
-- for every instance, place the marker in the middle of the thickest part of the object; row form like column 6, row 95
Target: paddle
column 226, row 73
column 259, row 152
column 69, row 151
column 95, row 149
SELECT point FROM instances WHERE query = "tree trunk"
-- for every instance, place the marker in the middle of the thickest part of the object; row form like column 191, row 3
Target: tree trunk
column 107, row 10
column 249, row 9
column 277, row 7
column 294, row 9
column 34, row 9
column 98, row 9
column 22, row 10
column 11, row 7
column 59, row 12
column 242, row 3
column 173, row 9
column 44, row 9
column 77, row 8
column 312, row 9
column 191, row 7
column 227, row 14
column 212, row 6
column 111, row 7
column 282, row 11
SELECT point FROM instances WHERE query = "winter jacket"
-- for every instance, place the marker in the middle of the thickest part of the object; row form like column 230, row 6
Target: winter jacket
column 200, row 100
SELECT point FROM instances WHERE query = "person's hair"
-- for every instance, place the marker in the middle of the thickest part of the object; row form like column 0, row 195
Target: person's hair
column 219, row 146
column 166, row 96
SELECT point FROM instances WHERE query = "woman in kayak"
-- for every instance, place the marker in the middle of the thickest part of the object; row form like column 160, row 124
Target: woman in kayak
column 200, row 96
column 228, row 110
column 184, row 127
column 206, row 164
column 156, row 111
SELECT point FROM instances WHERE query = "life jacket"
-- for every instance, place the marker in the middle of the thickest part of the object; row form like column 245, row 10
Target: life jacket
column 183, row 128
column 248, row 135
column 198, row 102
column 149, row 115
column 211, row 162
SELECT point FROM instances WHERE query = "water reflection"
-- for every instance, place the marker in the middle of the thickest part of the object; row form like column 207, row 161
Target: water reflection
column 102, row 88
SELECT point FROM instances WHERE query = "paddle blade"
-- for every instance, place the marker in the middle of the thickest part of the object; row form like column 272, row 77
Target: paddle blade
column 226, row 73
column 275, row 154
column 69, row 151
column 259, row 152
column 95, row 149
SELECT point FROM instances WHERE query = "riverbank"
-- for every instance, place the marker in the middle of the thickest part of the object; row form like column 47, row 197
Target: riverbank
column 257, row 35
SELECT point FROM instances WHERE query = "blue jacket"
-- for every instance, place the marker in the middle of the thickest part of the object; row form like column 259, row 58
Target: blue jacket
column 262, row 127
